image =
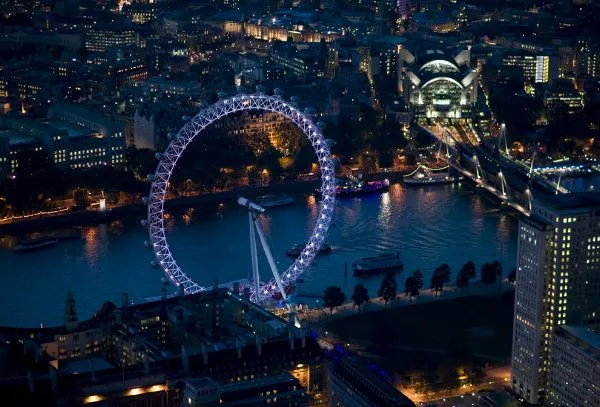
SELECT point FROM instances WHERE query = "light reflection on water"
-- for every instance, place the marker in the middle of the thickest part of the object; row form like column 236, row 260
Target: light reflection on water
column 427, row 225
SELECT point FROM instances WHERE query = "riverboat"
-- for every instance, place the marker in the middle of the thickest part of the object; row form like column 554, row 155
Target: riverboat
column 273, row 200
column 290, row 289
column 351, row 186
column 423, row 179
column 376, row 264
column 296, row 249
column 34, row 244
column 428, row 176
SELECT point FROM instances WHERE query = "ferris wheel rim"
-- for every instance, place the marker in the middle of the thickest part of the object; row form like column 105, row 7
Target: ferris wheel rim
column 177, row 145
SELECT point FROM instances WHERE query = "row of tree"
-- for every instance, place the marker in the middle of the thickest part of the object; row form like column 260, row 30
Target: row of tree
column 446, row 378
column 388, row 291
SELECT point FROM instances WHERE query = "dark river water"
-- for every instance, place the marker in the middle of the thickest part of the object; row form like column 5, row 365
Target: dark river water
column 427, row 225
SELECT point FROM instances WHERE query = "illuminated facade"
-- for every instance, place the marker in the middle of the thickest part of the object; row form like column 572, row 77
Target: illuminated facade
column 558, row 283
column 436, row 85
column 72, row 136
column 536, row 67
column 268, row 32
column 562, row 92
column 99, row 39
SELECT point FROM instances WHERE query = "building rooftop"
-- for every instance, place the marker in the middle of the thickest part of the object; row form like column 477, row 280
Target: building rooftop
column 586, row 335
column 84, row 113
column 573, row 200
column 15, row 138
column 71, row 129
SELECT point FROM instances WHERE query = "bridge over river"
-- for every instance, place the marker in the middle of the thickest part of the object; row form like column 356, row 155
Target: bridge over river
column 490, row 167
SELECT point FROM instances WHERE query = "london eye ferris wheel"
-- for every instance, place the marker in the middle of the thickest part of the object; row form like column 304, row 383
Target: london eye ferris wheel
column 164, row 258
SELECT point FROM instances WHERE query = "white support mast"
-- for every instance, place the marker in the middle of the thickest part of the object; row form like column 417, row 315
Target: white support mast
column 255, row 227
column 253, row 253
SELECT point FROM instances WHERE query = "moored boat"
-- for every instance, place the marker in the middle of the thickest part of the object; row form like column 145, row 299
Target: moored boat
column 428, row 176
column 290, row 289
column 352, row 186
column 273, row 200
column 377, row 264
column 296, row 249
column 440, row 178
column 34, row 244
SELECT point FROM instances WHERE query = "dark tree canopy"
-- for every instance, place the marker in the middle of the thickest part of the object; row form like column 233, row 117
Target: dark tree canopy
column 333, row 297
column 360, row 295
column 388, row 287
column 490, row 272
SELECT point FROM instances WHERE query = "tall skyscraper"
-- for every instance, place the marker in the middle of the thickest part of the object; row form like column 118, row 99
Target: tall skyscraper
column 558, row 283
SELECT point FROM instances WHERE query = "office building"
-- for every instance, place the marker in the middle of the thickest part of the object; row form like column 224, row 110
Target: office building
column 102, row 37
column 538, row 67
column 211, row 348
column 72, row 136
column 558, row 283
column 587, row 58
column 562, row 93
column 353, row 384
column 574, row 378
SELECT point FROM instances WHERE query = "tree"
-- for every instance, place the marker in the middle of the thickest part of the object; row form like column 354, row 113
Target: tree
column 419, row 277
column 461, row 280
column 449, row 377
column 80, row 197
column 466, row 272
column 360, row 295
column 469, row 270
column 490, row 272
column 441, row 276
column 388, row 287
column 420, row 384
column 512, row 276
column 477, row 375
column 443, row 271
column 436, row 284
column 411, row 286
column 333, row 297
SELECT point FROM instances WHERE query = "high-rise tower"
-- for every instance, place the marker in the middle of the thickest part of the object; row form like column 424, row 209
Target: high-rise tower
column 558, row 283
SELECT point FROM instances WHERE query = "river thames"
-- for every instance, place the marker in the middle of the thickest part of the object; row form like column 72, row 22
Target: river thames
column 426, row 225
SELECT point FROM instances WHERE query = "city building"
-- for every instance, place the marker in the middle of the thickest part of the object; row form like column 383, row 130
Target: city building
column 558, row 283
column 436, row 84
column 404, row 9
column 353, row 384
column 587, row 58
column 102, row 37
column 268, row 29
column 574, row 378
column 301, row 59
column 141, row 13
column 73, row 137
column 562, row 93
column 128, row 72
column 210, row 348
column 538, row 67
column 94, row 139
